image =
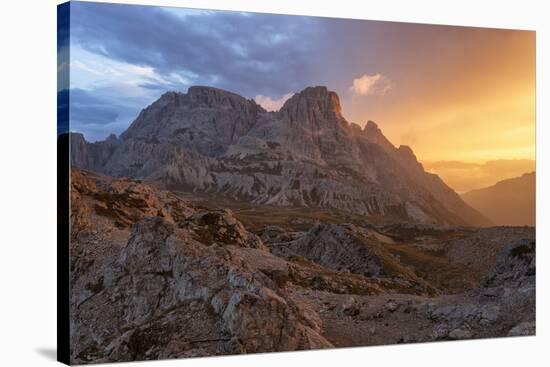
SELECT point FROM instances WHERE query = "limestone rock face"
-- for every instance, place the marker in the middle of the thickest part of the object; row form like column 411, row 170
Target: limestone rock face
column 313, row 106
column 164, row 277
column 373, row 134
column 154, row 278
column 306, row 154
column 515, row 265
column 204, row 113
column 347, row 248
column 506, row 296
column 221, row 227
column 93, row 156
column 336, row 247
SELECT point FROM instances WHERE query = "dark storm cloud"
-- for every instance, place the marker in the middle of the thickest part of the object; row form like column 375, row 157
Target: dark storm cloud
column 96, row 117
column 79, row 110
column 89, row 109
column 247, row 53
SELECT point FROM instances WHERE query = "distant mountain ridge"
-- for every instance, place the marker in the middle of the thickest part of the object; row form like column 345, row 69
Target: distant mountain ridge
column 468, row 176
column 306, row 154
column 508, row 202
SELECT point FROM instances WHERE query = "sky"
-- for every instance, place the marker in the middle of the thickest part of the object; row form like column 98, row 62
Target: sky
column 454, row 94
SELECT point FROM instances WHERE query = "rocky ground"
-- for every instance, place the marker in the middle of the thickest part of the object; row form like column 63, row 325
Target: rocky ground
column 160, row 275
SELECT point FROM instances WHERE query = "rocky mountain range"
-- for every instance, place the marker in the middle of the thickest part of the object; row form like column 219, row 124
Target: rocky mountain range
column 217, row 143
column 510, row 202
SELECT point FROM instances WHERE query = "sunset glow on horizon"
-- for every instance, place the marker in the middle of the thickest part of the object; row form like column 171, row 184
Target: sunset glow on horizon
column 474, row 102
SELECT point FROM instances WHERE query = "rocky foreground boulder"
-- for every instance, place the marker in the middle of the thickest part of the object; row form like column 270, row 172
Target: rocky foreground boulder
column 347, row 248
column 166, row 295
column 515, row 266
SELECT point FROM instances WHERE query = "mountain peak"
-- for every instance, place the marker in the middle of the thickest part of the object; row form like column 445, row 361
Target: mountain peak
column 375, row 135
column 406, row 152
column 206, row 96
column 313, row 102
column 198, row 90
column 371, row 125
column 211, row 96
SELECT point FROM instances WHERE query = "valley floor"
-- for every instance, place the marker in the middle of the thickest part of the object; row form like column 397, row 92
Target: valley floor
column 157, row 274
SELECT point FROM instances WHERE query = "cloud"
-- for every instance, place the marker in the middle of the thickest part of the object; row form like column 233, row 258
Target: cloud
column 371, row 84
column 92, row 112
column 236, row 50
column 271, row 104
column 86, row 108
column 91, row 70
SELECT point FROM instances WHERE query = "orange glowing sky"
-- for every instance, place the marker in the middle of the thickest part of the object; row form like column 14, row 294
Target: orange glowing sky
column 457, row 94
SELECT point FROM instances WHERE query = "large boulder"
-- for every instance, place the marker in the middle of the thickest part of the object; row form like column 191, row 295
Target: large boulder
column 515, row 265
column 221, row 227
column 168, row 295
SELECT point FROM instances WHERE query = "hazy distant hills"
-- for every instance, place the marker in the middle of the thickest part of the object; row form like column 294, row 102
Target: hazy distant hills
column 468, row 176
column 509, row 202
column 215, row 142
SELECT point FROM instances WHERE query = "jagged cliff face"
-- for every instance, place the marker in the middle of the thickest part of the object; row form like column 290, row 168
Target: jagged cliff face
column 306, row 154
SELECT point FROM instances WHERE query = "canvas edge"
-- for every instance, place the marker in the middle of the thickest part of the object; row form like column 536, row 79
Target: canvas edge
column 63, row 179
